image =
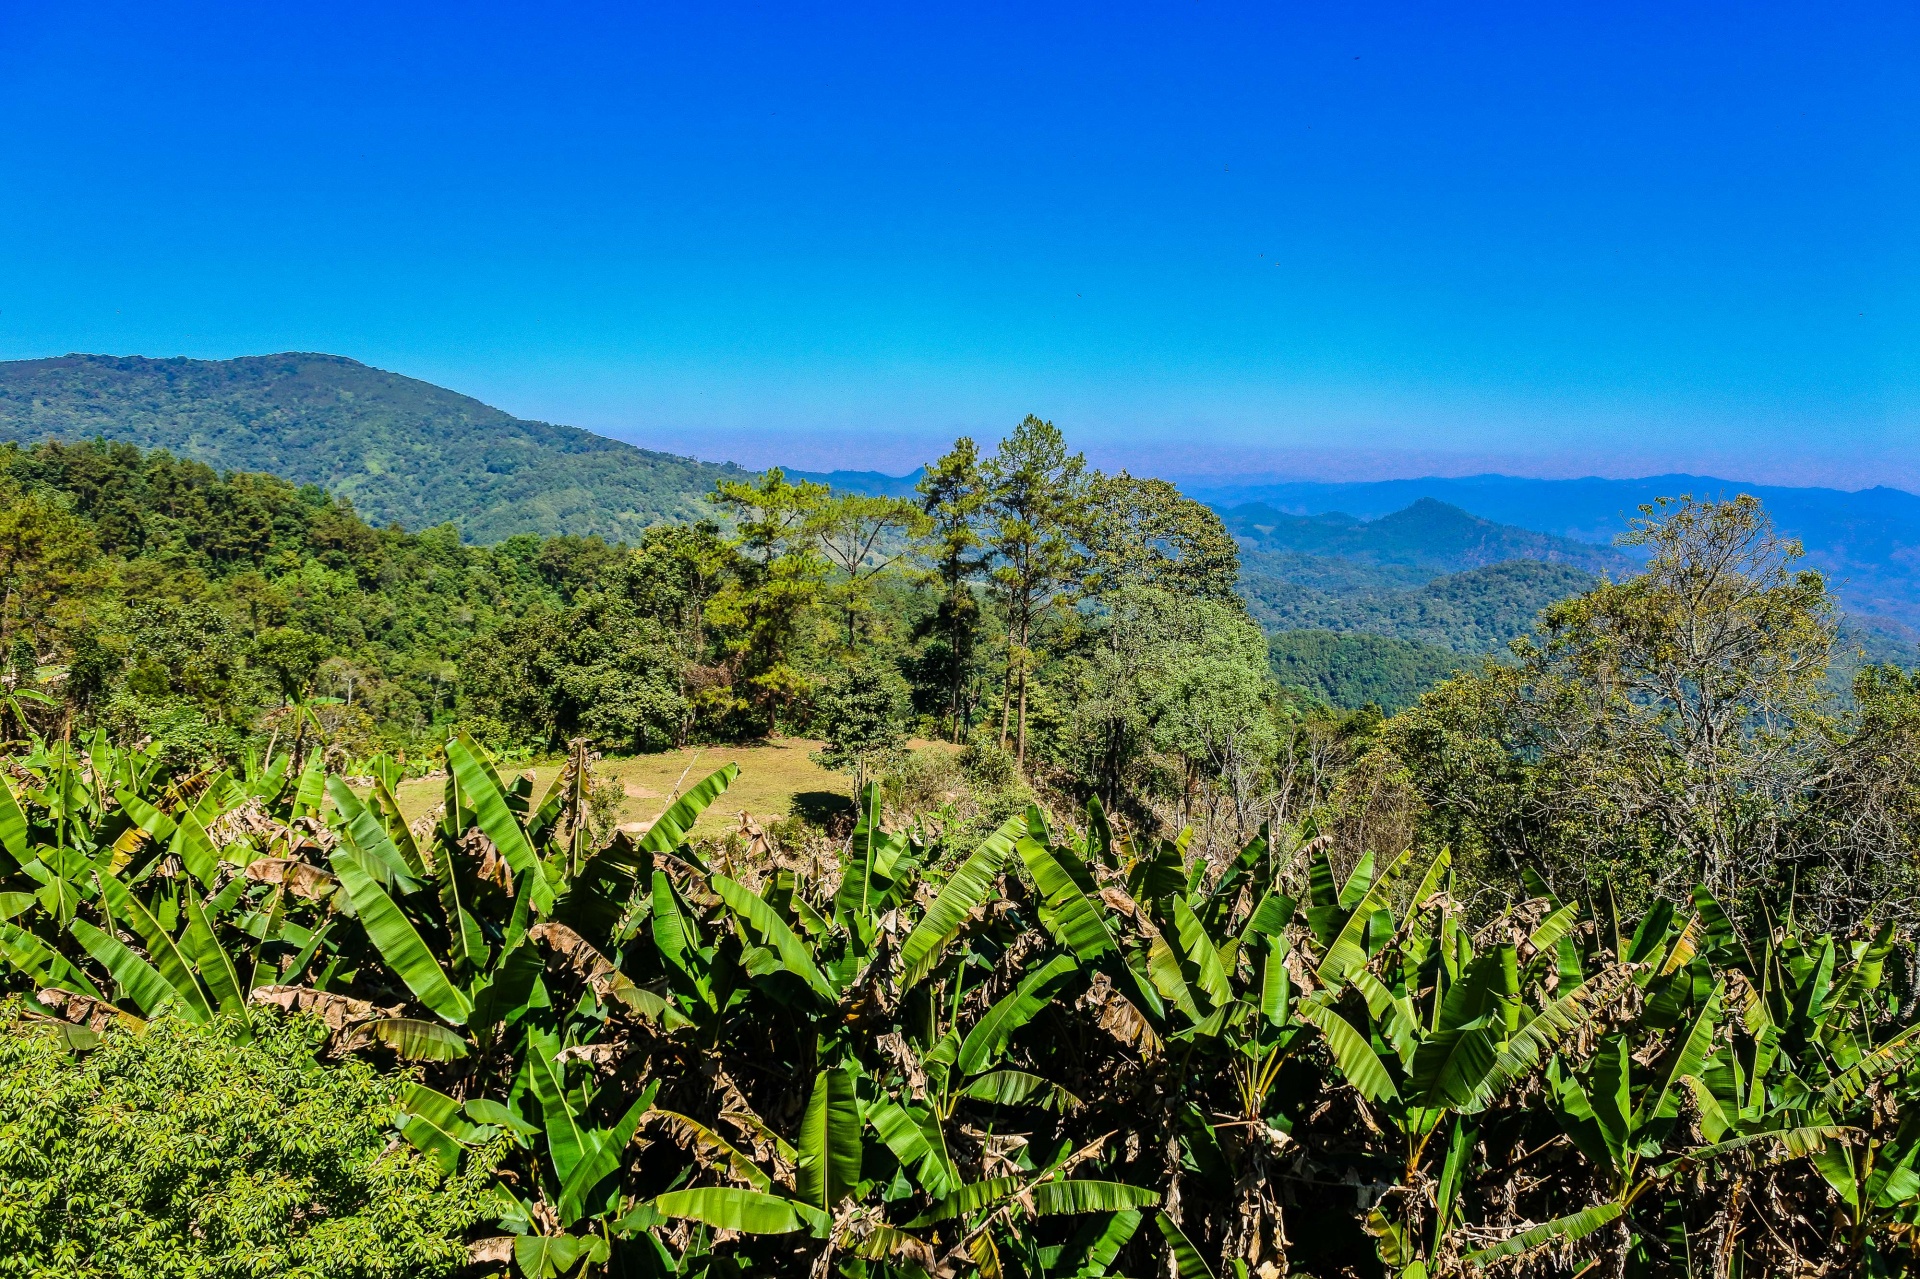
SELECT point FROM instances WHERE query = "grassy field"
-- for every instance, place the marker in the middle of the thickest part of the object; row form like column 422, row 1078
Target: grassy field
column 776, row 780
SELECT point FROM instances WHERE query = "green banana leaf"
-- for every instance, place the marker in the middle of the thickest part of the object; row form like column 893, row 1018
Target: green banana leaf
column 1073, row 918
column 162, row 952
column 432, row 1122
column 1658, row 1118
column 829, row 1166
column 751, row 1212
column 669, row 830
column 1851, row 1084
column 195, row 849
column 1348, row 949
column 1561, row 1230
column 967, row 1199
column 602, row 1156
column 794, row 956
column 552, row 1256
column 41, row 965
column 1018, row 1088
column 496, row 819
column 1187, row 1261
column 210, row 958
column 310, row 796
column 398, row 942
column 1200, row 949
column 1351, row 1052
column 381, row 855
column 13, row 823
column 416, row 1040
column 1061, row 1198
column 966, row 889
column 567, row 1141
column 137, row 979
column 990, row 1034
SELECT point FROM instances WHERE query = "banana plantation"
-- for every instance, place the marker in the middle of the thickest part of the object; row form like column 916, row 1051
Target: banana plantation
column 1054, row 1052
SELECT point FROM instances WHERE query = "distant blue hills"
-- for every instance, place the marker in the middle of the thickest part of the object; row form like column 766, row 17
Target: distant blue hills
column 1867, row 542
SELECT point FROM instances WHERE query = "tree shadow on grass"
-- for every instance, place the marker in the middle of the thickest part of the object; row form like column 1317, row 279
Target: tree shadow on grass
column 822, row 807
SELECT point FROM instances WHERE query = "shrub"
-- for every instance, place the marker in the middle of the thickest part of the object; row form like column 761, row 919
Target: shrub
column 180, row 1150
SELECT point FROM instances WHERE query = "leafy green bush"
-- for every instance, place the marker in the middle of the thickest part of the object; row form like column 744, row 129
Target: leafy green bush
column 182, row 1150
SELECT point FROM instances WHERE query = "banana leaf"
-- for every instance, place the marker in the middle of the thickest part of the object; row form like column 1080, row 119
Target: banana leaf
column 191, row 844
column 1018, row 1088
column 1658, row 1118
column 137, row 979
column 432, row 1122
column 990, row 1034
column 566, row 1138
column 829, row 1166
column 1071, row 915
column 162, row 952
column 210, row 958
column 495, row 817
column 13, row 823
column 41, row 965
column 380, row 854
column 710, row 1147
column 551, row 1256
column 794, row 956
column 1212, row 974
column 1561, row 1230
column 1851, row 1084
column 669, row 830
column 1451, row 1068
column 398, row 942
column 969, row 1198
column 1348, row 949
column 1061, row 1198
column 750, row 1212
column 310, row 791
column 602, row 1156
column 1351, row 1052
column 1187, row 1261
column 965, row 890
column 416, row 1040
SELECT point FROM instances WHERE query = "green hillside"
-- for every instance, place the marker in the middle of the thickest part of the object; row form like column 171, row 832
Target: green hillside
column 1379, row 610
column 1426, row 539
column 1351, row 671
column 1477, row 611
column 401, row 450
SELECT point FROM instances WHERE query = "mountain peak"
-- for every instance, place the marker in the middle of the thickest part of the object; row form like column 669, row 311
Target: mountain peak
column 403, row 450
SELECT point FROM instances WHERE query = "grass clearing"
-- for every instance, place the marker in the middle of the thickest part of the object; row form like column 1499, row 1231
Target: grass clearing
column 776, row 780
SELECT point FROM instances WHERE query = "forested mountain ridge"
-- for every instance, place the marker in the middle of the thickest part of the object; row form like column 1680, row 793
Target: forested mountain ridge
column 401, row 450
column 1477, row 611
column 1425, row 539
column 1866, row 542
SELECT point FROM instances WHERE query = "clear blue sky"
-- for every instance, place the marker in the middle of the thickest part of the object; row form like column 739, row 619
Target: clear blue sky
column 1314, row 239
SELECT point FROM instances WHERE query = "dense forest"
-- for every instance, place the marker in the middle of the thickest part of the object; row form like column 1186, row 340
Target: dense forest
column 402, row 450
column 1595, row 957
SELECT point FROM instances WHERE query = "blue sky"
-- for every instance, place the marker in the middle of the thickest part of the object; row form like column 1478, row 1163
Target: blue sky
column 1339, row 241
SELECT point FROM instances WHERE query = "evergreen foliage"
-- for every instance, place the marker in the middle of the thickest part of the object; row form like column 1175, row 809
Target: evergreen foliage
column 182, row 1152
column 401, row 450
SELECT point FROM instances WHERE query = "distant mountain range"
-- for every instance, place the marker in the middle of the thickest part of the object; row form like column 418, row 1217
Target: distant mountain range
column 1868, row 542
column 404, row 451
column 1433, row 570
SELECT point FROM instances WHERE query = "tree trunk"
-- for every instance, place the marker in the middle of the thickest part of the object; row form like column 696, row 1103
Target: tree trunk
column 1006, row 694
column 1020, row 748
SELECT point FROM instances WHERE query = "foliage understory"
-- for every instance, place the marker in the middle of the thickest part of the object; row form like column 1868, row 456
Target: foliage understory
column 1050, row 1052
